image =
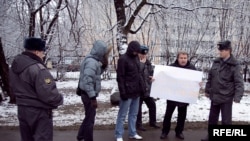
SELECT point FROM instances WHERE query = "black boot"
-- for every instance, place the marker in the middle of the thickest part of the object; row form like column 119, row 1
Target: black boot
column 154, row 125
column 141, row 128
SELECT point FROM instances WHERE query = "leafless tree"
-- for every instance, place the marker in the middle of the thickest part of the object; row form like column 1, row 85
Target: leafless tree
column 4, row 77
column 4, row 70
column 70, row 27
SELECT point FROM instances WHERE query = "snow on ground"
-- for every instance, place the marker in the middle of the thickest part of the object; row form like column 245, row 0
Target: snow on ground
column 196, row 112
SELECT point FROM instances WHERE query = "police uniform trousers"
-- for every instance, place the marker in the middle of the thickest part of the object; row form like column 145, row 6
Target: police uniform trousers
column 35, row 124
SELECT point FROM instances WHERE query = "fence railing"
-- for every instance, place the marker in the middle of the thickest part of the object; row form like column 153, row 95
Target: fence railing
column 71, row 71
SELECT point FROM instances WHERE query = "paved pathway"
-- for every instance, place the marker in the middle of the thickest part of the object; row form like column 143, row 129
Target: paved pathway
column 108, row 135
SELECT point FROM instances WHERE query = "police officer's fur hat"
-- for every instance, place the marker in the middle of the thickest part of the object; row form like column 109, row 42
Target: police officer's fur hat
column 144, row 49
column 224, row 45
column 33, row 43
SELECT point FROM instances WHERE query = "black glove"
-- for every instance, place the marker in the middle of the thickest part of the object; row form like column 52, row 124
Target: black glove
column 236, row 101
column 124, row 98
column 93, row 103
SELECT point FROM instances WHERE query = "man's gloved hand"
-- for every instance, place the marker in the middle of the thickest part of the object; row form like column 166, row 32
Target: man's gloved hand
column 94, row 103
column 236, row 101
column 124, row 98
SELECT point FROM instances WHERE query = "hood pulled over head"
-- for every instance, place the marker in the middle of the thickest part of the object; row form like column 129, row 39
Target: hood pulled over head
column 133, row 46
column 99, row 49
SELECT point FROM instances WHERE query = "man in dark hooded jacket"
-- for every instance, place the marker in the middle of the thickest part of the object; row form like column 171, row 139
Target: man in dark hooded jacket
column 128, row 79
column 181, row 62
column 36, row 92
column 224, row 85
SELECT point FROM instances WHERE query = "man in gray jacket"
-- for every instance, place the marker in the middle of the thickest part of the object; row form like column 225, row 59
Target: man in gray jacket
column 224, row 85
column 90, row 84
column 36, row 92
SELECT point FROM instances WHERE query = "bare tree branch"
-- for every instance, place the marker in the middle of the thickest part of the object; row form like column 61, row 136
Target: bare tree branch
column 54, row 19
column 143, row 21
column 135, row 13
column 41, row 6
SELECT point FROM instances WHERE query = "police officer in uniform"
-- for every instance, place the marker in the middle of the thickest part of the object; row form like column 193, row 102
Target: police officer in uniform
column 36, row 92
column 224, row 86
column 147, row 70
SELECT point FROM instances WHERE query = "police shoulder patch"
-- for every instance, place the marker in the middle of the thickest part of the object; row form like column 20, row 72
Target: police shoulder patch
column 47, row 80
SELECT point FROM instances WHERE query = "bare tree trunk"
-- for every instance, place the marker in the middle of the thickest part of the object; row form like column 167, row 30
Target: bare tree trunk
column 32, row 24
column 121, row 20
column 123, row 25
column 4, row 76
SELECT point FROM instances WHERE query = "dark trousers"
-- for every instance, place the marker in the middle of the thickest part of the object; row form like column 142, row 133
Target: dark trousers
column 150, row 102
column 86, row 129
column 181, row 117
column 35, row 124
column 226, row 113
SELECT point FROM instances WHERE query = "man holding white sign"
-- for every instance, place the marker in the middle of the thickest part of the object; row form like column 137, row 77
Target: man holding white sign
column 180, row 84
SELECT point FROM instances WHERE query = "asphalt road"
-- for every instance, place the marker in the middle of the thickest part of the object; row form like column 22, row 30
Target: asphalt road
column 108, row 135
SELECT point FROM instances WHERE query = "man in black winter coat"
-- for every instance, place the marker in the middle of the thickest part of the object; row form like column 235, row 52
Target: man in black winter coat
column 128, row 79
column 224, row 85
column 181, row 62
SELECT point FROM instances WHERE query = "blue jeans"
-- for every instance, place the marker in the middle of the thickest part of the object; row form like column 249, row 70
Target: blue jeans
column 86, row 129
column 131, row 105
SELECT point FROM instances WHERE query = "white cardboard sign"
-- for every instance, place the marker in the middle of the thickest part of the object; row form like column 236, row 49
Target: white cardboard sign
column 176, row 84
